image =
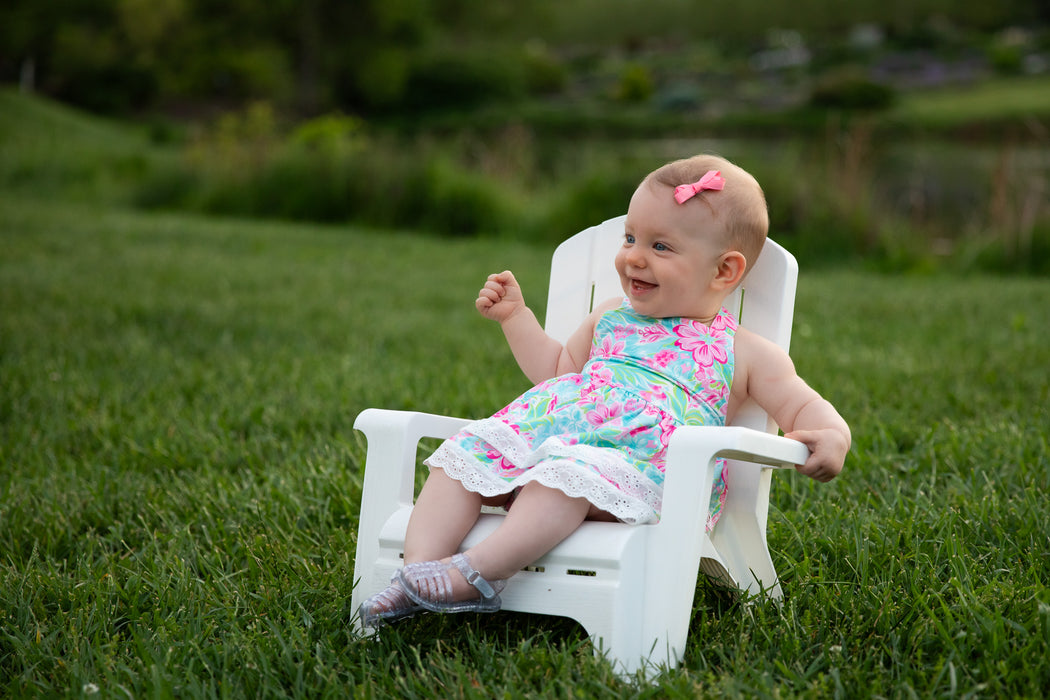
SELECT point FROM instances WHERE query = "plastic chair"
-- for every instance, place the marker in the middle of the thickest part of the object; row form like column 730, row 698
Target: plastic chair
column 630, row 587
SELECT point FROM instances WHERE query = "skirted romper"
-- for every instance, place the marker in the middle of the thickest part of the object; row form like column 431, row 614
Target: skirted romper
column 603, row 433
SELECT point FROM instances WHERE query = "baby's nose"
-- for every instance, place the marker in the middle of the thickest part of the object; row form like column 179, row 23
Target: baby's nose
column 636, row 257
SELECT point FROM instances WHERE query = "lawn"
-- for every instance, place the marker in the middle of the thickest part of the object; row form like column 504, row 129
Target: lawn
column 1020, row 102
column 180, row 478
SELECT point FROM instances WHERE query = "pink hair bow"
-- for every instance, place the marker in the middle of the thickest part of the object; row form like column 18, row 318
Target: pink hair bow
column 712, row 180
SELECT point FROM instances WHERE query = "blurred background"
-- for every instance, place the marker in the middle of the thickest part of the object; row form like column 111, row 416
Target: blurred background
column 903, row 134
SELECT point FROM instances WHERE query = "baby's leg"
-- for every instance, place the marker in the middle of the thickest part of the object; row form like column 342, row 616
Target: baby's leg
column 540, row 518
column 442, row 517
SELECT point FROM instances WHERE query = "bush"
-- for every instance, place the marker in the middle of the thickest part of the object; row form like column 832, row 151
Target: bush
column 544, row 73
column 462, row 203
column 1006, row 59
column 329, row 171
column 636, row 84
column 991, row 254
column 851, row 91
column 454, row 80
column 586, row 201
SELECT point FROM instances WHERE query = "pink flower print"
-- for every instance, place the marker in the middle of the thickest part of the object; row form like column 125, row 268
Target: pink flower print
column 622, row 332
column 667, row 427
column 508, row 468
column 694, row 340
column 609, row 348
column 659, row 462
column 655, row 393
column 662, row 359
column 600, row 375
column 722, row 392
column 604, row 413
column 652, row 334
column 723, row 321
column 633, row 405
column 552, row 405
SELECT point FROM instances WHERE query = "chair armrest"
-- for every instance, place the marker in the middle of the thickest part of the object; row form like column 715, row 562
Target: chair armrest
column 391, row 458
column 690, row 467
column 748, row 445
column 414, row 424
column 689, row 477
column 389, row 478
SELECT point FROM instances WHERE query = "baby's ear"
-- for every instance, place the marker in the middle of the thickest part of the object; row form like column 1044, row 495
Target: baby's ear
column 731, row 268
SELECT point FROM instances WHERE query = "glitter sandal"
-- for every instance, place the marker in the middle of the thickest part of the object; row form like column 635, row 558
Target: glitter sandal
column 389, row 605
column 428, row 585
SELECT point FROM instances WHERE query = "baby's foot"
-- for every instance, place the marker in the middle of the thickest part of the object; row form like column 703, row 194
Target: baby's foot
column 450, row 585
column 389, row 605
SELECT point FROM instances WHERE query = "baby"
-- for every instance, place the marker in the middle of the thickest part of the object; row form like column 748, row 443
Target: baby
column 589, row 440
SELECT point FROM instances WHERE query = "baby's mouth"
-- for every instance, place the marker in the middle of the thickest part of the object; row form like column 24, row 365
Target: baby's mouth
column 640, row 286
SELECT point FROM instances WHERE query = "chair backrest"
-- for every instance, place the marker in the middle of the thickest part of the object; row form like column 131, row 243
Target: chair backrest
column 583, row 274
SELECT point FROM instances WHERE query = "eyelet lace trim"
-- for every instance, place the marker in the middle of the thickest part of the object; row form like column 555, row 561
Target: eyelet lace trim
column 601, row 475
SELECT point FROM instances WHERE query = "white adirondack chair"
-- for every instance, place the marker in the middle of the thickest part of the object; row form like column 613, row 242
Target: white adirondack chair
column 630, row 587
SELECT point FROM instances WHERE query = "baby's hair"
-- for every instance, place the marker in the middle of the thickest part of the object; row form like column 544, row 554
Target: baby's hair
column 740, row 206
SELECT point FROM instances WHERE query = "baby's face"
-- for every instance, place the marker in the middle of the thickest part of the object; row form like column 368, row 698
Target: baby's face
column 670, row 255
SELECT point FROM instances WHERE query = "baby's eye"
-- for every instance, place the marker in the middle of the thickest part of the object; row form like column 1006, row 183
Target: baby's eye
column 660, row 246
column 628, row 239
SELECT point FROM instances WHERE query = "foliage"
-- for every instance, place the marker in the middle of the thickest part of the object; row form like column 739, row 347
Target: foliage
column 845, row 89
column 328, row 169
column 851, row 195
column 587, row 200
column 50, row 151
column 180, row 479
column 391, row 56
column 459, row 80
column 1015, row 105
column 636, row 84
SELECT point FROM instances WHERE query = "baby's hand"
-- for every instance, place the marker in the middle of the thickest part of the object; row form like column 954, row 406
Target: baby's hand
column 827, row 449
column 500, row 298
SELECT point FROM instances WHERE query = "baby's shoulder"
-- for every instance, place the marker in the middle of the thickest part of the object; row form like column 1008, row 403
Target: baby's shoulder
column 754, row 351
column 610, row 304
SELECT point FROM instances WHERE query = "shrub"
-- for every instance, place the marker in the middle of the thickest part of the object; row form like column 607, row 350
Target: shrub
column 848, row 90
column 170, row 187
column 328, row 170
column 586, row 201
column 636, row 84
column 458, row 202
column 544, row 73
column 1007, row 59
column 453, row 80
column 991, row 254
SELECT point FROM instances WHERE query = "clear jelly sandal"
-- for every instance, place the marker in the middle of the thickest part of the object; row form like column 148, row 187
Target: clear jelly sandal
column 389, row 605
column 429, row 586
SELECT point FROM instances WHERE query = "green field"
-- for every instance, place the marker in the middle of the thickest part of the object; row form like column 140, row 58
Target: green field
column 1022, row 103
column 181, row 480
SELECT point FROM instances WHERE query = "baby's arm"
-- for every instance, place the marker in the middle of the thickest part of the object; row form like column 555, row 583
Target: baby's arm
column 539, row 355
column 766, row 373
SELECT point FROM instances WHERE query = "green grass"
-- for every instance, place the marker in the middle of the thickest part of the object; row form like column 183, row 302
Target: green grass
column 180, row 479
column 47, row 149
column 1021, row 103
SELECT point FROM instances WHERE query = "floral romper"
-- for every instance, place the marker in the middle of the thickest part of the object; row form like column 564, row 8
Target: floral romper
column 603, row 433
